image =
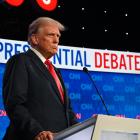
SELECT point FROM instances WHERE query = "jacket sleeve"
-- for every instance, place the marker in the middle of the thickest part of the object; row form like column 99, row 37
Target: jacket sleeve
column 15, row 96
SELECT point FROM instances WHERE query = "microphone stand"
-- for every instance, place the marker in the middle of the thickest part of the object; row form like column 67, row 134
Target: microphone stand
column 86, row 70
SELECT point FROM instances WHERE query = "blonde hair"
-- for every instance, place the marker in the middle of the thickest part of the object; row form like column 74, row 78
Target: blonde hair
column 41, row 21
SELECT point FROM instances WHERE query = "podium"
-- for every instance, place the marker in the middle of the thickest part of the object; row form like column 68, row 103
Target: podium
column 102, row 127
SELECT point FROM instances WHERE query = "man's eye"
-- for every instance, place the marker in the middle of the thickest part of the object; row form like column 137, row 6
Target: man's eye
column 50, row 35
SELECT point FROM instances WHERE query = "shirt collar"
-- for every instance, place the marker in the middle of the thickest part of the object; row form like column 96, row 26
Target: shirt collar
column 42, row 58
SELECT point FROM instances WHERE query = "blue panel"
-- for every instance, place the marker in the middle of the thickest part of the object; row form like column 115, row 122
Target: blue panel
column 119, row 91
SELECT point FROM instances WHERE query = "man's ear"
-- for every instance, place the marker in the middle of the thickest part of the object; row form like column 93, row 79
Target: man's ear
column 34, row 40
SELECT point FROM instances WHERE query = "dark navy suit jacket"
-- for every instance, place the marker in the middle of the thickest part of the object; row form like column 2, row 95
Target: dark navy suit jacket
column 32, row 100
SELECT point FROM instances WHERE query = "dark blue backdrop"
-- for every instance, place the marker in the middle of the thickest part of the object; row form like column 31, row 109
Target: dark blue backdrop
column 121, row 93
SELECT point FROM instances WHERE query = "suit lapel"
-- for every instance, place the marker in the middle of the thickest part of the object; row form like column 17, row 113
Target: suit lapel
column 36, row 60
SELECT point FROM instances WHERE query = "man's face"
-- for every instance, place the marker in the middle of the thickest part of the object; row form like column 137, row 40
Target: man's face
column 47, row 40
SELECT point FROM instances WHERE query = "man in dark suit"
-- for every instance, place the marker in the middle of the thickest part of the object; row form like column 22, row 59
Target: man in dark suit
column 35, row 101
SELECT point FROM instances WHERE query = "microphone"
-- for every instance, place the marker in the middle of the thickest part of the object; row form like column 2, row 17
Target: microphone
column 86, row 71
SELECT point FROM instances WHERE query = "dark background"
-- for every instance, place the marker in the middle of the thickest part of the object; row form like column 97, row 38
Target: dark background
column 122, row 34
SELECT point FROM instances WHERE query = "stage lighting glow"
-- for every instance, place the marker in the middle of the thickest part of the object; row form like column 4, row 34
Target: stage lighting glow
column 15, row 3
column 48, row 5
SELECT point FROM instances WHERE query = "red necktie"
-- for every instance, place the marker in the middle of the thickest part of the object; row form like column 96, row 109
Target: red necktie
column 53, row 73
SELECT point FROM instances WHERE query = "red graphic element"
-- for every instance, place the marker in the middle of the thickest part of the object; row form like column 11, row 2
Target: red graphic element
column 15, row 2
column 2, row 113
column 78, row 115
column 48, row 5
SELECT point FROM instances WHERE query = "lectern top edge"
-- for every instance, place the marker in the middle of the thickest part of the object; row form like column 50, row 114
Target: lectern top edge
column 75, row 128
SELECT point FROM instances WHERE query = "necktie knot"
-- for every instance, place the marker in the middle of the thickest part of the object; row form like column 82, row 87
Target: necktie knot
column 49, row 64
column 47, row 61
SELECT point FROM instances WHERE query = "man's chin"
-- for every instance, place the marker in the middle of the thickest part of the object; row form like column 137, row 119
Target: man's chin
column 54, row 52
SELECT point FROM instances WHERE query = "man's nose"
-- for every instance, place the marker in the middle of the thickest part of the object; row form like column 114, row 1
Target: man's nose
column 56, row 39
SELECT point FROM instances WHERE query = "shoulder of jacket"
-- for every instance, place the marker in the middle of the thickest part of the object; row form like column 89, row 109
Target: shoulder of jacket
column 16, row 57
